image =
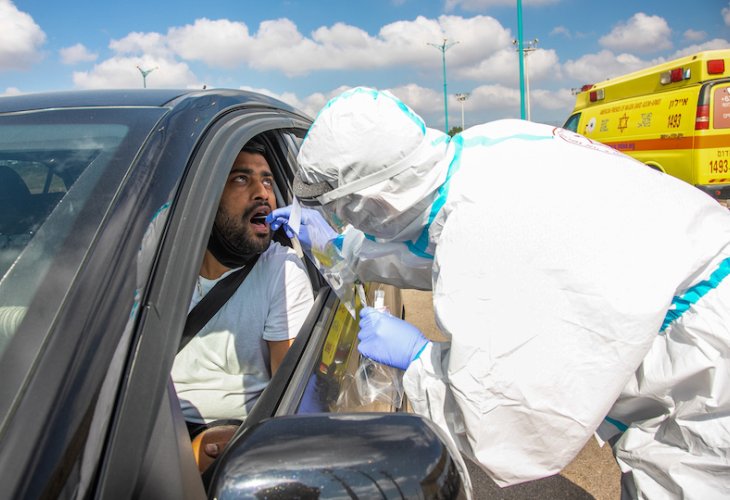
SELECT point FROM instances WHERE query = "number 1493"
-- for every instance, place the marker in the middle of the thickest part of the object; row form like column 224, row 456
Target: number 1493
column 718, row 166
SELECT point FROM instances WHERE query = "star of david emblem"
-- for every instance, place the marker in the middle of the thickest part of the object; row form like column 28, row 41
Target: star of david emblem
column 623, row 123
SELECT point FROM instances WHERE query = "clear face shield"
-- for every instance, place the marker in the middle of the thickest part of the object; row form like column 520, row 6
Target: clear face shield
column 324, row 232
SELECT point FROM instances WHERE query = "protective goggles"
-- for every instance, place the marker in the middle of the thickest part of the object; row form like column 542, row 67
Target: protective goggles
column 309, row 194
column 322, row 193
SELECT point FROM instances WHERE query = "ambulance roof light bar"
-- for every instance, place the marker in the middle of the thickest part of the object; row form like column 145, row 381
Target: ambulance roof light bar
column 716, row 66
column 674, row 75
column 597, row 95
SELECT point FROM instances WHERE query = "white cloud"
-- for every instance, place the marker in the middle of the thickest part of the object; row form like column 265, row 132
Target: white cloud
column 20, row 38
column 592, row 68
column 694, row 35
column 726, row 15
column 146, row 50
column 641, row 33
column 552, row 107
column 552, row 100
column 477, row 36
column 543, row 65
column 494, row 101
column 560, row 31
column 153, row 44
column 424, row 101
column 482, row 5
column 122, row 72
column 220, row 42
column 278, row 44
column 76, row 54
column 486, row 102
column 496, row 98
column 310, row 104
column 484, row 54
column 502, row 66
column 717, row 43
column 11, row 91
column 340, row 46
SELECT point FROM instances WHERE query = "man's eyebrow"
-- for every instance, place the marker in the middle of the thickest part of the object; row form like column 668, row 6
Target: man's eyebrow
column 249, row 171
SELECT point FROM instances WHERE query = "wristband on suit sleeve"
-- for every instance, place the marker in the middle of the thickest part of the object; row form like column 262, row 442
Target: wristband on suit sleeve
column 420, row 351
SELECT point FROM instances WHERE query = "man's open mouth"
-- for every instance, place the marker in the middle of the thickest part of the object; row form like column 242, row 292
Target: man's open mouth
column 259, row 217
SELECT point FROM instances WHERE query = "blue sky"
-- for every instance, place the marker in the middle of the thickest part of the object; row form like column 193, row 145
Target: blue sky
column 305, row 52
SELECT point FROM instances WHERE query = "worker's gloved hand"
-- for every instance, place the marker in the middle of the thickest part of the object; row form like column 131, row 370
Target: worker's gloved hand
column 389, row 340
column 314, row 231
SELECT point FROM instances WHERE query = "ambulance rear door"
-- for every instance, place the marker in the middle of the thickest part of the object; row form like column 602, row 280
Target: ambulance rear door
column 712, row 139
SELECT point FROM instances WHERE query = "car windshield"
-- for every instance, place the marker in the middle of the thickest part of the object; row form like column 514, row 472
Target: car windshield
column 59, row 170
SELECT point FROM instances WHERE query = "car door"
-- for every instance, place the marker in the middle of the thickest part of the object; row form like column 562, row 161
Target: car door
column 147, row 456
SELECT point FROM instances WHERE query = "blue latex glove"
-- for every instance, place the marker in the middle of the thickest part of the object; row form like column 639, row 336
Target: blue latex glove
column 313, row 229
column 389, row 340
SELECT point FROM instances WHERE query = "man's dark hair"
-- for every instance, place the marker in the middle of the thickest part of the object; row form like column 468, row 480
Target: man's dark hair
column 254, row 146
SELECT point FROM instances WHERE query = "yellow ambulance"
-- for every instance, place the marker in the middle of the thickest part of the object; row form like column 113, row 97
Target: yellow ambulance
column 674, row 117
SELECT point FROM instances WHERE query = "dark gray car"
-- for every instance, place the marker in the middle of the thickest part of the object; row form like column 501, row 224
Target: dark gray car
column 106, row 203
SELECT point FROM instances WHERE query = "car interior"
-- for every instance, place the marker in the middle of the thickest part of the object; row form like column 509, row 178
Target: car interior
column 40, row 166
column 32, row 183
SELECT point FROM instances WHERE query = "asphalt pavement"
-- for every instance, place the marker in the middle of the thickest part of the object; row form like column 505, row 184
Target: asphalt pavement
column 593, row 474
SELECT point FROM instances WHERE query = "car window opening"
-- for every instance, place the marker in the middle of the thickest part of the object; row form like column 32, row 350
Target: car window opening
column 210, row 424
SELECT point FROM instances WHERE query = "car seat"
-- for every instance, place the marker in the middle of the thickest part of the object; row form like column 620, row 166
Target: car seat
column 14, row 200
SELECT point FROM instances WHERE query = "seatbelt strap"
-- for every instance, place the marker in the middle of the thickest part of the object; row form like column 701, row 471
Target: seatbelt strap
column 213, row 301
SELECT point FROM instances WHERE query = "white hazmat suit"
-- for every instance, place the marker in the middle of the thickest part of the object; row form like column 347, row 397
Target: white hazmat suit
column 580, row 290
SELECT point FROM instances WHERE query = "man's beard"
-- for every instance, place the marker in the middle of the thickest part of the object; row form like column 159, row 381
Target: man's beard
column 238, row 235
column 232, row 242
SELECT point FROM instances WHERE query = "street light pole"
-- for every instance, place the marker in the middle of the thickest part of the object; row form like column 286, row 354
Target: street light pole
column 461, row 98
column 443, row 48
column 526, row 49
column 146, row 72
column 521, row 58
column 524, row 78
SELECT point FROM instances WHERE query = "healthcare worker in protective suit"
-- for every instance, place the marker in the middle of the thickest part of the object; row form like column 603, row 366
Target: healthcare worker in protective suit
column 580, row 291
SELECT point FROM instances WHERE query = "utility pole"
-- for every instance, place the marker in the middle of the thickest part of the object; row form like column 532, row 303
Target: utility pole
column 525, row 75
column 146, row 72
column 443, row 48
column 461, row 98
column 521, row 57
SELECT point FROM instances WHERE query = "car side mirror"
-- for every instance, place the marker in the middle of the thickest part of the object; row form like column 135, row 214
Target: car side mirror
column 359, row 455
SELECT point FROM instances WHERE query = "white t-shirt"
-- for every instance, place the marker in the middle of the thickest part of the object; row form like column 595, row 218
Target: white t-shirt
column 222, row 371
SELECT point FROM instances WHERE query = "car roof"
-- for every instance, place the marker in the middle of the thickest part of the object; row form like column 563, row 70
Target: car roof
column 132, row 98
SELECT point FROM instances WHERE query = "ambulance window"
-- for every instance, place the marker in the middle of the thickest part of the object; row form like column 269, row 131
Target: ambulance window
column 721, row 107
column 572, row 123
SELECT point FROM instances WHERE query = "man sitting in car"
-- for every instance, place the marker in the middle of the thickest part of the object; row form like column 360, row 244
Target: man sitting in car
column 222, row 371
